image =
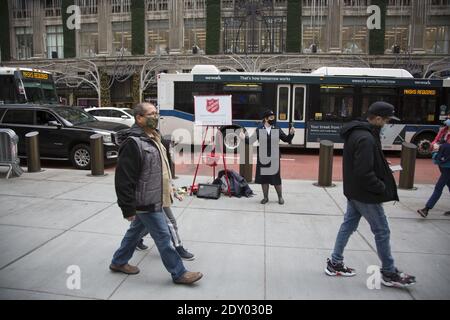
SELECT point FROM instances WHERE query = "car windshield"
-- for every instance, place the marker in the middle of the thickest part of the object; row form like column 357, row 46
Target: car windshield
column 74, row 116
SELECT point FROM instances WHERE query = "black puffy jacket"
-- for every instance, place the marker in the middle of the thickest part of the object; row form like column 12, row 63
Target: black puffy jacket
column 367, row 176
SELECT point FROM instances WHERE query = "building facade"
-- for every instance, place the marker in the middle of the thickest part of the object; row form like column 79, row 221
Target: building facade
column 120, row 36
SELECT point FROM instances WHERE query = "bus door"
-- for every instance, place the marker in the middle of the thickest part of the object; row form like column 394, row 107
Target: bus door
column 298, row 113
column 291, row 101
column 283, row 106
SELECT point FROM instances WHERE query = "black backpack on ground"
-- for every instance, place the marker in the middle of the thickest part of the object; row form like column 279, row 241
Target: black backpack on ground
column 238, row 185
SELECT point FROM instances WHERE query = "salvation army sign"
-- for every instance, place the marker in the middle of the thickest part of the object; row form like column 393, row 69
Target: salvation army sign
column 213, row 110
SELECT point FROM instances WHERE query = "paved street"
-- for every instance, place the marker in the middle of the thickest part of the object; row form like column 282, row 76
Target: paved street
column 60, row 218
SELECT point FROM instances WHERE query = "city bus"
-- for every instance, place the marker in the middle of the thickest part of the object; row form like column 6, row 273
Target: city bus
column 316, row 104
column 26, row 86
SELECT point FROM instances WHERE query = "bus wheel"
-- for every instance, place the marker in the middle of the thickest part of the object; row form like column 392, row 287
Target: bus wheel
column 423, row 143
column 231, row 140
column 80, row 156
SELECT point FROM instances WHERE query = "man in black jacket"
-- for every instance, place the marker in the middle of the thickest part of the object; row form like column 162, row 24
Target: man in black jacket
column 368, row 182
column 143, row 188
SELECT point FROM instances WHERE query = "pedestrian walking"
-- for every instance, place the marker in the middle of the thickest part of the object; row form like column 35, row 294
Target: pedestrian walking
column 442, row 159
column 368, row 182
column 142, row 188
column 170, row 217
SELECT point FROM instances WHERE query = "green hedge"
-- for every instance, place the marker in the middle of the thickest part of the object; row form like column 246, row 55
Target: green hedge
column 5, row 43
column 294, row 26
column 376, row 36
column 212, row 26
column 137, row 27
column 69, row 35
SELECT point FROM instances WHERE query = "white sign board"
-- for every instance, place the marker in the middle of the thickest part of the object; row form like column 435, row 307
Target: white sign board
column 213, row 110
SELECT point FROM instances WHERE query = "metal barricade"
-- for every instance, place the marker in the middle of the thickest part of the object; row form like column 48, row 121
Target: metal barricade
column 9, row 152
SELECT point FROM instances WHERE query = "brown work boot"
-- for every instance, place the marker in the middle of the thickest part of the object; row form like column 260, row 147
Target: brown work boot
column 126, row 268
column 189, row 278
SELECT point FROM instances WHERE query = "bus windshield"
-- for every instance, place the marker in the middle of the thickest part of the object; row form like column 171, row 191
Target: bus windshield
column 40, row 92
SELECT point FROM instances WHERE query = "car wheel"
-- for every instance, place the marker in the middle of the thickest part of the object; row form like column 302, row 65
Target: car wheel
column 423, row 143
column 80, row 157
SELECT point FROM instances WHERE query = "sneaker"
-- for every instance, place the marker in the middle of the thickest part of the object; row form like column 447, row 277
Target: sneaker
column 264, row 201
column 184, row 254
column 189, row 278
column 141, row 246
column 423, row 212
column 397, row 279
column 338, row 269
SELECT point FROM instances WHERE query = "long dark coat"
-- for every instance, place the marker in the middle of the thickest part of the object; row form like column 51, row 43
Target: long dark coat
column 260, row 133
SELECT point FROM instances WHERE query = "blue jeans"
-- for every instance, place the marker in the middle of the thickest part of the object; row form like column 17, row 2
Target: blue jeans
column 154, row 223
column 374, row 214
column 444, row 180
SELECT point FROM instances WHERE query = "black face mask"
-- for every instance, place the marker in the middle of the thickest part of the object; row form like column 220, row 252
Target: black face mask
column 272, row 122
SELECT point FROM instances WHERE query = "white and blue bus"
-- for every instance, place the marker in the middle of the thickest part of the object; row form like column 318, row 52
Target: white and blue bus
column 25, row 85
column 316, row 104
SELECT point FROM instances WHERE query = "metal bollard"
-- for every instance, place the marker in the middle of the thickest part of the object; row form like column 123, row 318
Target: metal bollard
column 408, row 163
column 33, row 155
column 97, row 156
column 246, row 168
column 325, row 164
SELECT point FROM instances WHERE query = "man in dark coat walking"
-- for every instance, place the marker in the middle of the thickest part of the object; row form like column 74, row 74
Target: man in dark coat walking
column 368, row 182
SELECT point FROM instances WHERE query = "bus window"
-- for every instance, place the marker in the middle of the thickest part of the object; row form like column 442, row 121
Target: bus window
column 371, row 95
column 8, row 90
column 299, row 94
column 418, row 109
column 336, row 103
column 246, row 106
column 283, row 103
column 185, row 92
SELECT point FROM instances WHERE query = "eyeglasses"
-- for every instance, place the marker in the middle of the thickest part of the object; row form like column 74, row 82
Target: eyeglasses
column 151, row 114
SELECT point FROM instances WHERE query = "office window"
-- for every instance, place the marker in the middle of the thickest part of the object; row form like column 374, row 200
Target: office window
column 122, row 38
column 52, row 8
column 157, row 5
column 354, row 39
column 24, row 43
column 194, row 35
column 55, row 42
column 396, row 39
column 313, row 39
column 89, row 40
column 120, row 6
column 158, row 36
column 87, row 7
column 437, row 40
column 21, row 9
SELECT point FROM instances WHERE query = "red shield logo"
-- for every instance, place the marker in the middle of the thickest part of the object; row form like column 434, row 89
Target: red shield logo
column 212, row 105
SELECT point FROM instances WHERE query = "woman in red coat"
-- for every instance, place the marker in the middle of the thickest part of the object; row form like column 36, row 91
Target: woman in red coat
column 443, row 135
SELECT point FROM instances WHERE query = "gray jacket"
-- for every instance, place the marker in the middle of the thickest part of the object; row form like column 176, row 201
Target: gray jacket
column 138, row 179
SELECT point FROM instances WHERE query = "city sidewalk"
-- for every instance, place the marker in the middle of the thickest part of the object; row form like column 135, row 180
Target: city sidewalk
column 55, row 219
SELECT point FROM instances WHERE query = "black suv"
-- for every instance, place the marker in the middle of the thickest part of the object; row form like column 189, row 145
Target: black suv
column 64, row 132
